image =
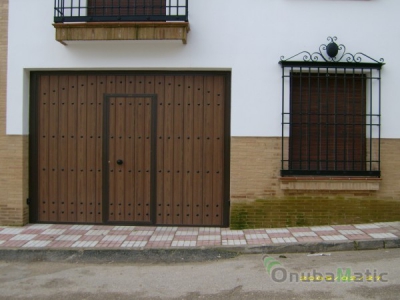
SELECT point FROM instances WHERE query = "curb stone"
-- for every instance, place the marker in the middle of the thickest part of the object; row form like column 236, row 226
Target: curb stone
column 115, row 255
column 369, row 245
column 395, row 243
column 180, row 255
column 303, row 248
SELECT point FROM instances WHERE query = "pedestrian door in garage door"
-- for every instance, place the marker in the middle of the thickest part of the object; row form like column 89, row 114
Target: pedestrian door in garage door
column 130, row 148
column 129, row 157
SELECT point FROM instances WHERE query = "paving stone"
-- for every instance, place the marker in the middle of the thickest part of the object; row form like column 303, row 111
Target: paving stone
column 297, row 239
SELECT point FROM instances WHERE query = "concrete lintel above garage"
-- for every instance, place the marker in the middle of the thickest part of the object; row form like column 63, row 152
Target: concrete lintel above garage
column 111, row 31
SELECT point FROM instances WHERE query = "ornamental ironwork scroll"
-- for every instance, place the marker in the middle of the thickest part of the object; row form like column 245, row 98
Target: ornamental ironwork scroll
column 331, row 53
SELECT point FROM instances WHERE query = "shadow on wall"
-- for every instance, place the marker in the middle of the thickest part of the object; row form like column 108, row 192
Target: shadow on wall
column 128, row 52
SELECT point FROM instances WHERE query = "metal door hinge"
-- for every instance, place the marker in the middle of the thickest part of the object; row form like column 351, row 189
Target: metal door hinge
column 28, row 201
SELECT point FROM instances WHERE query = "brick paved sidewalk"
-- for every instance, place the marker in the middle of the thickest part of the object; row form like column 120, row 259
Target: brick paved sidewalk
column 51, row 236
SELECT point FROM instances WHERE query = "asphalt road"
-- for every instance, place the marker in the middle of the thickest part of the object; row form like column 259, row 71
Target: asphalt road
column 373, row 274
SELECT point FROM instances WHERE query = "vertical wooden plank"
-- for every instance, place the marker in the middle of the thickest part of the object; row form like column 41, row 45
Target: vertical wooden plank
column 188, row 140
column 130, row 151
column 43, row 165
column 149, row 90
column 128, row 159
column 160, row 92
column 130, row 85
column 140, row 84
column 63, row 148
column 178, row 149
column 198, row 111
column 147, row 135
column 139, row 149
column 169, row 150
column 208, row 150
column 53, row 152
column 91, row 151
column 82, row 201
column 120, row 141
column 150, row 83
column 218, row 145
column 102, row 88
column 120, row 84
column 139, row 159
column 72, row 147
column 111, row 159
column 112, row 201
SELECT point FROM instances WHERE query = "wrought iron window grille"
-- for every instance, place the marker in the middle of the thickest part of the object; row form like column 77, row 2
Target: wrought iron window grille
column 120, row 10
column 331, row 113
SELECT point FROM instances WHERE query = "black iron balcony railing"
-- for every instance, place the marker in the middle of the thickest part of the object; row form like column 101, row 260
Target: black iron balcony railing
column 120, row 10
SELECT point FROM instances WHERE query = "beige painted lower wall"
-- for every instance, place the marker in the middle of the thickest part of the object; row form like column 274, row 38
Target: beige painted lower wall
column 13, row 180
column 13, row 149
column 257, row 199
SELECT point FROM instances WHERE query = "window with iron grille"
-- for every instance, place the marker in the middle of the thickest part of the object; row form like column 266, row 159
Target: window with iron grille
column 331, row 114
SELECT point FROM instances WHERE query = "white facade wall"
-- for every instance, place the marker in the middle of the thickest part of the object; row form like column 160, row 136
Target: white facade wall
column 247, row 37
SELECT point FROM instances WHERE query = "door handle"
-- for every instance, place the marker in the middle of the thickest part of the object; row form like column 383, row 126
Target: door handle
column 120, row 161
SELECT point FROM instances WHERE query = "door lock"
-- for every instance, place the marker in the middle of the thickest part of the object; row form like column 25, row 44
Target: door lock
column 120, row 161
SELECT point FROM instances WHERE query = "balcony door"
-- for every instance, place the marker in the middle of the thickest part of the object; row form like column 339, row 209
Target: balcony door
column 126, row 7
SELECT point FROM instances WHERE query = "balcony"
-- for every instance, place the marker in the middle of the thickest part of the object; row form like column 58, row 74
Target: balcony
column 99, row 20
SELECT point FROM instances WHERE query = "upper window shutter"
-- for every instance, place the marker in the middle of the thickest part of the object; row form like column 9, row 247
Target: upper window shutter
column 328, row 129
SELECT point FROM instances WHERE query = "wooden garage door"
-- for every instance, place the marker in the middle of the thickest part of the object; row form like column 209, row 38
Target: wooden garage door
column 131, row 148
